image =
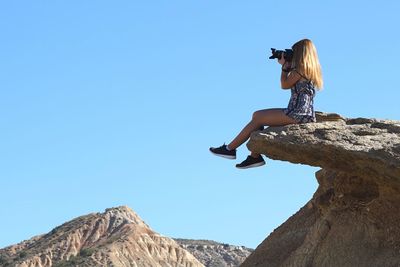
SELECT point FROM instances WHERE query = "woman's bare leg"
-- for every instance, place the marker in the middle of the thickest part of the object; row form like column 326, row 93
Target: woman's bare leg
column 265, row 117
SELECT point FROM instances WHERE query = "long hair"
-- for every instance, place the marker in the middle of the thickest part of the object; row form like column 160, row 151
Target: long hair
column 305, row 60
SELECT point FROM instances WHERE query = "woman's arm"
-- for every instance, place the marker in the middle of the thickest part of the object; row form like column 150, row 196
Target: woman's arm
column 288, row 77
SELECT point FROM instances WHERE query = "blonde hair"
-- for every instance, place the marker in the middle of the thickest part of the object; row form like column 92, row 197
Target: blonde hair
column 305, row 60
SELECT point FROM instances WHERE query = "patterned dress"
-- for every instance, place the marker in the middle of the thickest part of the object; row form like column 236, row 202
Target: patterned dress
column 301, row 104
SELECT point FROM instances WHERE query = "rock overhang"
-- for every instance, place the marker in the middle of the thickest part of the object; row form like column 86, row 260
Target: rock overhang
column 366, row 147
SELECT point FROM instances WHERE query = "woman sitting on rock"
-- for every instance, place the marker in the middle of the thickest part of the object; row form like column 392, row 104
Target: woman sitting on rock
column 302, row 75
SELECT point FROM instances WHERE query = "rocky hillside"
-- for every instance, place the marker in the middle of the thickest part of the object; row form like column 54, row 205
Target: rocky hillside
column 214, row 254
column 117, row 237
column 353, row 218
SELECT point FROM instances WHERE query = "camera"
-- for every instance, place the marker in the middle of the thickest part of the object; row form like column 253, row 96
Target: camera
column 287, row 54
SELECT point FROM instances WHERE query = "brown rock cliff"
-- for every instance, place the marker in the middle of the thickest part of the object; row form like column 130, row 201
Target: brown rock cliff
column 353, row 218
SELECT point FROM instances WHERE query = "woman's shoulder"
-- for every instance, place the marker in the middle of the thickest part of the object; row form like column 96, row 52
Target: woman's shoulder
column 305, row 80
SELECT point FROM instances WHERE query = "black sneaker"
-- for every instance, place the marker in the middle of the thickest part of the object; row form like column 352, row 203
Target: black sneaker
column 222, row 151
column 251, row 162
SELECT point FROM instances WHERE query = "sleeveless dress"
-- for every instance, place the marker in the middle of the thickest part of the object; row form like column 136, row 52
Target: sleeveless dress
column 301, row 103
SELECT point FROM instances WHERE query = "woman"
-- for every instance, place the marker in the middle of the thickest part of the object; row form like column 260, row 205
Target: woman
column 302, row 75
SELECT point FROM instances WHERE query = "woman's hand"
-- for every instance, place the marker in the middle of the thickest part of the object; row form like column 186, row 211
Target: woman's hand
column 282, row 60
column 285, row 64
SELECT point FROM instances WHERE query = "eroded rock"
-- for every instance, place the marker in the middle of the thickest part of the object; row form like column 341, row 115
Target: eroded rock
column 117, row 237
column 353, row 218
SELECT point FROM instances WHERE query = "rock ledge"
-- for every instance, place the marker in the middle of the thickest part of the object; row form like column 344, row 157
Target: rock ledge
column 354, row 216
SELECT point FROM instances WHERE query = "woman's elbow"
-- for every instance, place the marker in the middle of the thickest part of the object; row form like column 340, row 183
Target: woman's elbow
column 285, row 86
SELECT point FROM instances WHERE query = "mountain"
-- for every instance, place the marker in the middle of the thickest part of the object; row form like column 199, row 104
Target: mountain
column 353, row 219
column 214, row 254
column 117, row 237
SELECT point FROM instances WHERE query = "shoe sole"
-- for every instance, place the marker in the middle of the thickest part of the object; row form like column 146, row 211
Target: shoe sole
column 252, row 165
column 223, row 156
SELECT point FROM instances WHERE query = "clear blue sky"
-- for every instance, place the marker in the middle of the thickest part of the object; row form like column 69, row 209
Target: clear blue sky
column 116, row 103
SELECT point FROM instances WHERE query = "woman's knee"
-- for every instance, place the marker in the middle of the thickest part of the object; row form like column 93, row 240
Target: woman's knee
column 256, row 115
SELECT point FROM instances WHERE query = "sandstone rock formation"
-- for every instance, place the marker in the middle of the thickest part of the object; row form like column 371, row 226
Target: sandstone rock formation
column 353, row 218
column 214, row 254
column 117, row 237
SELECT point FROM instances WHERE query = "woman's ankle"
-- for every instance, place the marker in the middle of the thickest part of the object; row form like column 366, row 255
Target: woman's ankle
column 229, row 148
